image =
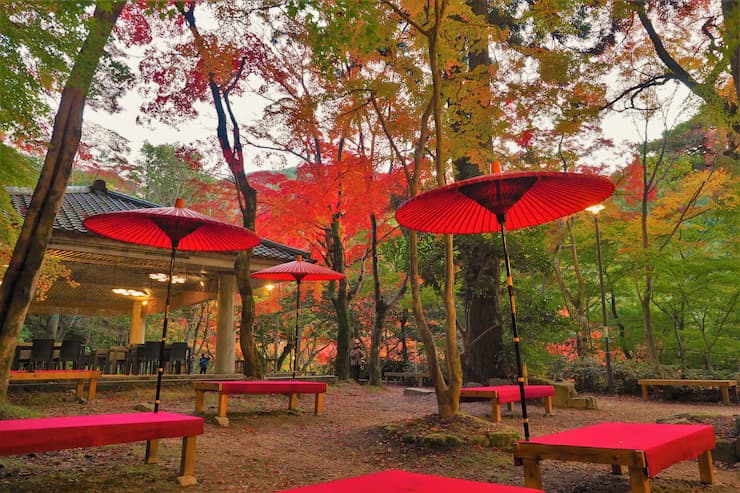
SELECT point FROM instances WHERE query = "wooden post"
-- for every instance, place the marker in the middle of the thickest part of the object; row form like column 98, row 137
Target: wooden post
column 706, row 468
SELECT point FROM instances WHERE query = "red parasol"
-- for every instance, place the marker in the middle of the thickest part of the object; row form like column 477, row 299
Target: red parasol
column 504, row 200
column 176, row 228
column 298, row 271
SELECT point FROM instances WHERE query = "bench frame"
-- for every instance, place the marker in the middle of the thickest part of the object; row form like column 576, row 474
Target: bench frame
column 201, row 387
column 529, row 454
column 493, row 396
column 43, row 375
column 87, row 433
column 418, row 375
column 723, row 385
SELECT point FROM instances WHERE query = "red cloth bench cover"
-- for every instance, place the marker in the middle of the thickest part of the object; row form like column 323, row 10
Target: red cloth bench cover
column 510, row 393
column 22, row 436
column 270, row 387
column 663, row 444
column 395, row 481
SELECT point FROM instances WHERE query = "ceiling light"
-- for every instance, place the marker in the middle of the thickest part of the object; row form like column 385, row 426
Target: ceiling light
column 130, row 292
column 162, row 277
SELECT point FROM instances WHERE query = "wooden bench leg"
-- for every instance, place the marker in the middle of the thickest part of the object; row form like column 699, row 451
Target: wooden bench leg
column 187, row 462
column 532, row 477
column 639, row 482
column 319, row 403
column 92, row 388
column 495, row 410
column 152, row 452
column 292, row 402
column 644, row 391
column 725, row 391
column 617, row 469
column 222, row 405
column 80, row 389
column 706, row 468
column 548, row 405
column 199, row 398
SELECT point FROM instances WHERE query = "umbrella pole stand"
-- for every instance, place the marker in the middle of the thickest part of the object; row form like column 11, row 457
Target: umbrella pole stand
column 160, row 366
column 510, row 285
column 295, row 343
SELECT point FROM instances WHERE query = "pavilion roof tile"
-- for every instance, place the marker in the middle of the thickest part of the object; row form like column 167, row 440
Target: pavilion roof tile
column 83, row 201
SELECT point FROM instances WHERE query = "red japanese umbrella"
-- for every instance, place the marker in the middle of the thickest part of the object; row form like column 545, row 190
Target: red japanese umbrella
column 499, row 201
column 176, row 228
column 298, row 271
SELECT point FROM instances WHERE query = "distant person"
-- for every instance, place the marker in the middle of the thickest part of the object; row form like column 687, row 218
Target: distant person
column 203, row 362
column 355, row 360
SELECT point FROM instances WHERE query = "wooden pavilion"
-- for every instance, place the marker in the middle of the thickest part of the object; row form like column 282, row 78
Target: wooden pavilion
column 123, row 279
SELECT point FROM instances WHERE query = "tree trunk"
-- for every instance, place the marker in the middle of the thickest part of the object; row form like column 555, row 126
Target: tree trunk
column 19, row 283
column 341, row 305
column 381, row 308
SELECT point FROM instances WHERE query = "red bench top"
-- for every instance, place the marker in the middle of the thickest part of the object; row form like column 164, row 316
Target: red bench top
column 510, row 393
column 663, row 444
column 395, row 481
column 270, row 387
column 22, row 436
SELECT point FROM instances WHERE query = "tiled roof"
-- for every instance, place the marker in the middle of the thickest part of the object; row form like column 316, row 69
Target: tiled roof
column 83, row 201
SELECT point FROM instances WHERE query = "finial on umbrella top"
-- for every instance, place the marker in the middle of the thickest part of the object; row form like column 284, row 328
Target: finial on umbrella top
column 180, row 203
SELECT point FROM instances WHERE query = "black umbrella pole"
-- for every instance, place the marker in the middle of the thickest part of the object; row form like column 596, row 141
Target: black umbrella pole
column 295, row 343
column 514, row 330
column 160, row 366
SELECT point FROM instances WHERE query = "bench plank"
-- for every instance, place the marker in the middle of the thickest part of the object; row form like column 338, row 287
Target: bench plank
column 23, row 436
column 645, row 449
column 292, row 388
column 723, row 385
column 506, row 394
column 43, row 375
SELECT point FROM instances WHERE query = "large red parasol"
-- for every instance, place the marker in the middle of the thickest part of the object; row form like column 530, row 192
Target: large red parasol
column 298, row 271
column 504, row 200
column 175, row 228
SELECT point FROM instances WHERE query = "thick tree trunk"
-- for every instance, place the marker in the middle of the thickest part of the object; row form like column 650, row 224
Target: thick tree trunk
column 381, row 308
column 341, row 305
column 21, row 277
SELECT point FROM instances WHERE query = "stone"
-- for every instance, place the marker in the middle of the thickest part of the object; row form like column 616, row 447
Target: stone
column 416, row 391
column 187, row 480
column 588, row 402
column 725, row 451
column 503, row 440
column 564, row 391
column 479, row 439
column 221, row 421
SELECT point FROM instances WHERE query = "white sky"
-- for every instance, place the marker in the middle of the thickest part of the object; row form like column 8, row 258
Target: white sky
column 622, row 128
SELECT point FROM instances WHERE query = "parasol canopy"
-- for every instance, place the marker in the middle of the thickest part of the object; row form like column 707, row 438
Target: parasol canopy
column 172, row 228
column 298, row 270
column 523, row 198
column 498, row 201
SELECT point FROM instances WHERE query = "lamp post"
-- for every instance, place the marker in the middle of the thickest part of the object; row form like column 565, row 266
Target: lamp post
column 609, row 374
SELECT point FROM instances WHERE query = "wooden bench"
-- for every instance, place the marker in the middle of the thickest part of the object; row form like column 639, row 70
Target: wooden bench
column 419, row 376
column 645, row 449
column 506, row 394
column 292, row 388
column 91, row 376
column 723, row 385
column 24, row 436
column 396, row 481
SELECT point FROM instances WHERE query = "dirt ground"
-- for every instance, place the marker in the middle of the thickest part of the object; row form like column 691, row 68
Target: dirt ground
column 267, row 448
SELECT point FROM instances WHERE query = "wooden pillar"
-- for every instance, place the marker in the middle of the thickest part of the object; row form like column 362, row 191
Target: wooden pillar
column 225, row 336
column 136, row 331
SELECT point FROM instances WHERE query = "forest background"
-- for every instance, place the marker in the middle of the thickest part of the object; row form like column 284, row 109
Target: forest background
column 364, row 104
